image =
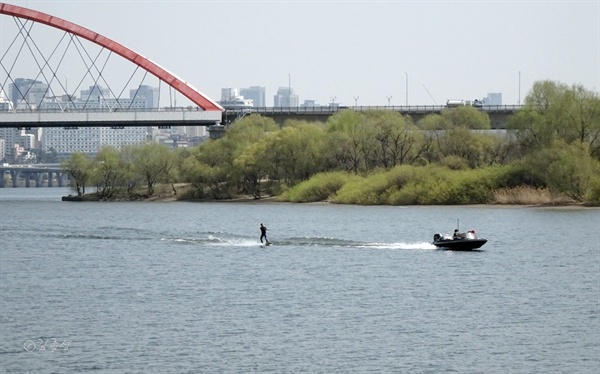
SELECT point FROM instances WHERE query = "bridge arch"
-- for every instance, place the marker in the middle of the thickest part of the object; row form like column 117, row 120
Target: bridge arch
column 179, row 85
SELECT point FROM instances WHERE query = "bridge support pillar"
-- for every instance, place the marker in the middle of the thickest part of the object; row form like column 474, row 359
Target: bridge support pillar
column 50, row 177
column 2, row 179
column 216, row 131
column 14, row 175
column 59, row 179
column 38, row 179
column 27, row 176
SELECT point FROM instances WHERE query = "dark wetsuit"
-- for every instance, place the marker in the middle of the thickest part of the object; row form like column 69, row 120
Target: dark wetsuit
column 263, row 233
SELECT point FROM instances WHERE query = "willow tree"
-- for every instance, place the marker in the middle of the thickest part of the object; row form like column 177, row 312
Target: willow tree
column 109, row 171
column 350, row 142
column 397, row 139
column 466, row 116
column 80, row 168
column 210, row 167
column 242, row 134
column 154, row 163
column 571, row 170
column 554, row 111
column 296, row 152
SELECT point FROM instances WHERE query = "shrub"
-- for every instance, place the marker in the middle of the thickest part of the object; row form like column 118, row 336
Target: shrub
column 371, row 190
column 318, row 188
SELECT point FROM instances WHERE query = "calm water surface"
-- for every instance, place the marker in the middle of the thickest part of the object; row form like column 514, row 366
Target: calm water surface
column 186, row 288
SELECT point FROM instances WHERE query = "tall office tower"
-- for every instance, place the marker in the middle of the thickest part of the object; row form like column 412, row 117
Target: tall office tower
column 27, row 93
column 256, row 94
column 286, row 98
column 146, row 94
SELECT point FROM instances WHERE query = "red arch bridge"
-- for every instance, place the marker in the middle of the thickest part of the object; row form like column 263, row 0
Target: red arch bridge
column 32, row 69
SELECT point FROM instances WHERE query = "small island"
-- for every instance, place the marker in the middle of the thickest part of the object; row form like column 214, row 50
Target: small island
column 548, row 155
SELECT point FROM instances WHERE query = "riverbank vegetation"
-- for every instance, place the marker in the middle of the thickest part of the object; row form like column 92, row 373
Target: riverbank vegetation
column 550, row 154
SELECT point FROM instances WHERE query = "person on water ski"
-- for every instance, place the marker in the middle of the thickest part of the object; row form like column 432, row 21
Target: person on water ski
column 263, row 234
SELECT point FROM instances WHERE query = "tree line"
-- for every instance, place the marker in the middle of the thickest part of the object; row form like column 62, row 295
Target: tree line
column 552, row 143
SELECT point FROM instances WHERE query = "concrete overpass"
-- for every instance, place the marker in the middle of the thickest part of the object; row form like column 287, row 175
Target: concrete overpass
column 498, row 113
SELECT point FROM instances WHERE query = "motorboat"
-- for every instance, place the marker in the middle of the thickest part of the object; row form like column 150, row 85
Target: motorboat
column 466, row 241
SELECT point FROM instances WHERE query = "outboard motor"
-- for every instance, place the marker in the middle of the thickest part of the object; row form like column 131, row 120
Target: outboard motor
column 436, row 237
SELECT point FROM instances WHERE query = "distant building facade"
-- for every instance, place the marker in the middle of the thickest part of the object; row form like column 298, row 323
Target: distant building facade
column 90, row 139
column 98, row 97
column 27, row 93
column 232, row 99
column 310, row 104
column 16, row 144
column 256, row 94
column 2, row 150
column 286, row 97
column 11, row 137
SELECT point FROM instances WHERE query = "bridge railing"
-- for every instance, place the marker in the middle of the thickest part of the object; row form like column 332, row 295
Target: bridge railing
column 328, row 109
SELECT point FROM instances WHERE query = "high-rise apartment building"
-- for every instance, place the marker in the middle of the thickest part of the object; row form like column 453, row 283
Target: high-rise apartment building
column 90, row 139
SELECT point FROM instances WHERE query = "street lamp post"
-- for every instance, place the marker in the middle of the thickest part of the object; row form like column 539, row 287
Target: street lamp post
column 405, row 73
column 389, row 98
column 289, row 90
column 332, row 101
column 519, row 102
column 355, row 101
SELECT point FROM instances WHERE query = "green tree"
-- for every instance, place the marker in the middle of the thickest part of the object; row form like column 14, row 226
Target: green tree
column 349, row 143
column 397, row 139
column 154, row 163
column 80, row 169
column 109, row 170
column 210, row 166
column 244, row 133
column 573, row 170
column 251, row 164
column 296, row 152
column 466, row 116
column 556, row 111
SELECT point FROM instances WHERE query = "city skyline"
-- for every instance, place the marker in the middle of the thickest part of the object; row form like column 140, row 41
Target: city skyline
column 364, row 53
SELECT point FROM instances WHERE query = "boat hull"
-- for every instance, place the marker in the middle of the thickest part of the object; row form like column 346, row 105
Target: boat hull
column 460, row 244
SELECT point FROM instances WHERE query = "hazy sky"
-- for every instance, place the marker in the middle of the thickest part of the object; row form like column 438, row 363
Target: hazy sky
column 344, row 49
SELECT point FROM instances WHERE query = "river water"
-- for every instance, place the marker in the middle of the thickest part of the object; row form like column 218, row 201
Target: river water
column 181, row 287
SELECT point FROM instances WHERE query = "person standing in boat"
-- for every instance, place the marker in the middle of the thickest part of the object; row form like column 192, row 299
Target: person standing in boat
column 263, row 234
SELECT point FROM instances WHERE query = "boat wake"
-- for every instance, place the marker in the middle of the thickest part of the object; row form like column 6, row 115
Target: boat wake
column 224, row 240
column 400, row 245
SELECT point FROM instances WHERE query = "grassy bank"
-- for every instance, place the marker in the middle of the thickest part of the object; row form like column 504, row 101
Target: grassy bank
column 429, row 185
